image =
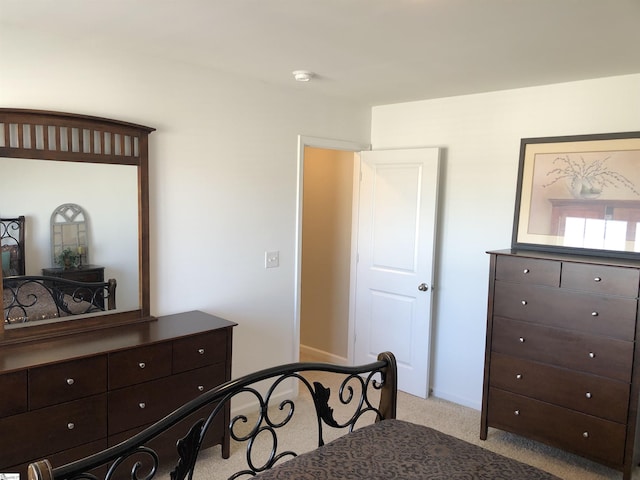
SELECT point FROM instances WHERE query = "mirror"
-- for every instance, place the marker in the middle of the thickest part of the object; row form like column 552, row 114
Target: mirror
column 100, row 164
column 112, row 218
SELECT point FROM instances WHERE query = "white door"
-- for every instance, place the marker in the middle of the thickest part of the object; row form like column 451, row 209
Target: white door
column 394, row 273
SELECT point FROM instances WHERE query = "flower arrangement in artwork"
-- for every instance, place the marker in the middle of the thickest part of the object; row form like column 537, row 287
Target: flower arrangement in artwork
column 587, row 179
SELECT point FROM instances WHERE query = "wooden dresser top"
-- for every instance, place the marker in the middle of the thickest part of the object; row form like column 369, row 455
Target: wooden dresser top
column 78, row 345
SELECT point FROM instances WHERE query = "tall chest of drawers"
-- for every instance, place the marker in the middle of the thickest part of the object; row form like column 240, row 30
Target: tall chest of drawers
column 561, row 364
column 67, row 397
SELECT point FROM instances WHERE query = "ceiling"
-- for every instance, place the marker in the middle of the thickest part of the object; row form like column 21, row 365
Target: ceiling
column 367, row 51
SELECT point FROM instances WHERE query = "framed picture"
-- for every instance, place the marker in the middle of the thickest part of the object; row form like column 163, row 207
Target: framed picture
column 579, row 194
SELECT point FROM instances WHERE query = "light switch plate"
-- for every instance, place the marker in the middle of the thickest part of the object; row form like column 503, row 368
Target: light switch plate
column 271, row 259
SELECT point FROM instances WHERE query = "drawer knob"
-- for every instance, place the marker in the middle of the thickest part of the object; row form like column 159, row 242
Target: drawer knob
column 516, row 413
column 592, row 355
column 585, row 434
column 518, row 376
column 523, row 302
column 525, row 271
column 142, row 364
column 201, row 351
column 594, row 314
column 597, row 279
column 201, row 388
column 71, row 425
column 142, row 405
column 588, row 395
column 521, row 339
column 70, row 381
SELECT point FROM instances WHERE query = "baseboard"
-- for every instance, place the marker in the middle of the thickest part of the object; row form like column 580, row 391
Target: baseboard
column 465, row 402
column 310, row 354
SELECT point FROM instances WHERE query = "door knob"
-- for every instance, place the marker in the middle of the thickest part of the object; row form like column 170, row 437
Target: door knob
column 423, row 287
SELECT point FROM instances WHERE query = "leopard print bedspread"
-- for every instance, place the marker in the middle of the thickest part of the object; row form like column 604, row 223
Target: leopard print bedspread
column 396, row 449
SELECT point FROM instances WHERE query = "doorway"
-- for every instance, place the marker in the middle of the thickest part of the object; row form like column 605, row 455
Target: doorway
column 327, row 193
column 326, row 254
column 392, row 229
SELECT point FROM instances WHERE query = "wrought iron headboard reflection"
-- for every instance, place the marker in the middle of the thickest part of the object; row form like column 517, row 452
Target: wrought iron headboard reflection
column 12, row 245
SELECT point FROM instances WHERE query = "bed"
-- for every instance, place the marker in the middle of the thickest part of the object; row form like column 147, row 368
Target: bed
column 371, row 443
column 28, row 298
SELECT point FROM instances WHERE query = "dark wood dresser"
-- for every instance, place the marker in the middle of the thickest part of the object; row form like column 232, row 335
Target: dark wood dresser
column 85, row 273
column 561, row 364
column 91, row 390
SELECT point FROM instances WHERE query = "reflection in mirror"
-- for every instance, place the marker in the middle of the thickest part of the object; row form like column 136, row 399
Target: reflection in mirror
column 12, row 245
column 101, row 164
column 113, row 212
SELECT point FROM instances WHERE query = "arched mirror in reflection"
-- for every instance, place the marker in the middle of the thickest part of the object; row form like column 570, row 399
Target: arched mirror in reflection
column 50, row 159
column 69, row 236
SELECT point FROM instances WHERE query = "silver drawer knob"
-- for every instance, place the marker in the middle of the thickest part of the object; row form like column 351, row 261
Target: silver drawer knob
column 201, row 351
column 518, row 376
column 201, row 388
column 70, row 381
column 516, row 413
column 597, row 279
column 594, row 314
column 71, row 426
column 142, row 364
column 521, row 339
column 525, row 271
column 588, row 395
column 592, row 355
column 142, row 405
column 585, row 434
column 523, row 302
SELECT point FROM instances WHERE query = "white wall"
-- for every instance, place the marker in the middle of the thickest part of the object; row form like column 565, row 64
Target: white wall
column 222, row 173
column 481, row 137
column 223, row 179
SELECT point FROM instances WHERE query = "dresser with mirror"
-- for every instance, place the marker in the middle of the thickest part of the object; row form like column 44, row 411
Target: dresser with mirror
column 89, row 380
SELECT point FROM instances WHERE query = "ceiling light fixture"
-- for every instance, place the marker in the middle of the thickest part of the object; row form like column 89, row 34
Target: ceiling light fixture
column 302, row 75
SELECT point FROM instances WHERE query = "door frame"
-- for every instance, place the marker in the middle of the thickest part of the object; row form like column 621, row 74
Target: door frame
column 328, row 144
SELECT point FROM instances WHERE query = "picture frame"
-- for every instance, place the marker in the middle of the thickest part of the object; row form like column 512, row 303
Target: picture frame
column 579, row 194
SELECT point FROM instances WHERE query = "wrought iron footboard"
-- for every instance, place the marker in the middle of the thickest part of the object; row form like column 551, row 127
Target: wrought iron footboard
column 359, row 388
column 32, row 297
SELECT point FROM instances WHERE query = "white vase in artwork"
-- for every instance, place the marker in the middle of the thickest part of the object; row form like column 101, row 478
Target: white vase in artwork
column 581, row 187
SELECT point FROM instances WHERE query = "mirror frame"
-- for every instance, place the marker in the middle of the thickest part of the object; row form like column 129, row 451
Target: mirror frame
column 70, row 137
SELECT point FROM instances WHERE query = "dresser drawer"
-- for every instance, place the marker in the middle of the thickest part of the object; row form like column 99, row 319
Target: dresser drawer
column 64, row 457
column 39, row 433
column 598, row 396
column 603, row 356
column 528, row 270
column 165, row 444
column 145, row 403
column 62, row 382
column 193, row 383
column 87, row 276
column 603, row 279
column 598, row 314
column 199, row 350
column 137, row 365
column 583, row 434
column 13, row 389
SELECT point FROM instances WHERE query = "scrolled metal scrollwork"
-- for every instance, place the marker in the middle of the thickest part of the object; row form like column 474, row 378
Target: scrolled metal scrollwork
column 32, row 297
column 114, row 470
column 272, row 415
